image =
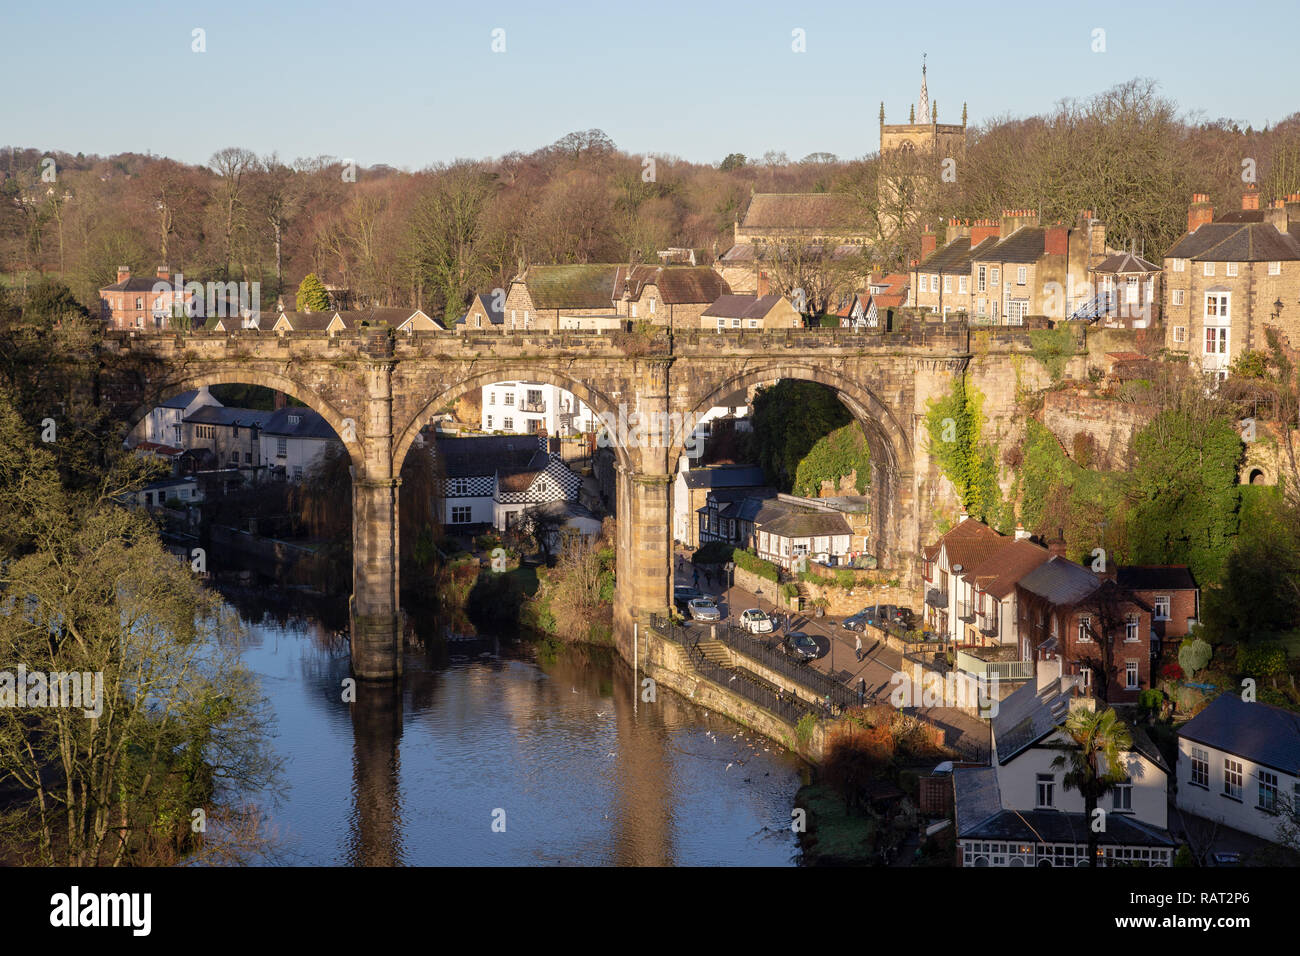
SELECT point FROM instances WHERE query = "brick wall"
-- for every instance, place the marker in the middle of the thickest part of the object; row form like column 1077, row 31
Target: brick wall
column 1111, row 424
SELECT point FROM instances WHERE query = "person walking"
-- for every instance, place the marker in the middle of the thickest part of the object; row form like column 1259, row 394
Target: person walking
column 858, row 650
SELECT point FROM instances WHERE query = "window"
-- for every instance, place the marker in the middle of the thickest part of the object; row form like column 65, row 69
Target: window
column 947, row 283
column 1180, row 334
column 634, row 310
column 478, row 320
column 1131, row 628
column 1022, row 275
column 1017, row 309
column 981, row 283
column 512, row 318
column 934, row 283
column 1130, row 675
column 509, row 398
column 1180, row 265
column 205, row 431
column 1131, row 289
column 492, row 398
column 1275, row 268
column 963, row 284
column 995, row 276
column 1046, row 790
column 735, row 323
column 460, row 514
column 528, row 320
column 1085, row 622
column 489, row 421
column 234, row 457
column 508, row 424
column 297, row 472
column 1201, row 767
column 248, row 458
column 281, row 447
column 295, row 419
column 1122, row 797
column 139, row 302
column 457, row 487
column 1267, row 792
column 1232, row 778
column 1216, row 340
column 1178, row 297
column 652, row 305
column 982, row 307
column 1162, row 607
column 924, row 283
column 1231, row 268
column 1209, row 269
column 753, row 323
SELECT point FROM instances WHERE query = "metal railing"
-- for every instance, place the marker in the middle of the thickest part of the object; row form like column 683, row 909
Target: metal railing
column 764, row 653
column 1004, row 670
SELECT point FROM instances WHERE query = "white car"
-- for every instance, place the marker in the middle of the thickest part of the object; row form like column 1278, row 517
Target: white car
column 756, row 621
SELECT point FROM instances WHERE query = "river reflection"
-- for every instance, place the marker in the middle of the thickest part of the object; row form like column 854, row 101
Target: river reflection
column 551, row 746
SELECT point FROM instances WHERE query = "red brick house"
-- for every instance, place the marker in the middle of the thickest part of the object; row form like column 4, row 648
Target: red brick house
column 1082, row 618
column 140, row 303
column 1171, row 592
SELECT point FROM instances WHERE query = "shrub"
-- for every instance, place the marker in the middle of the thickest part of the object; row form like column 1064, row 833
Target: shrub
column 789, row 590
column 752, row 563
column 803, row 730
column 1149, row 702
column 1193, row 655
column 1261, row 659
column 714, row 552
column 1171, row 671
column 844, row 578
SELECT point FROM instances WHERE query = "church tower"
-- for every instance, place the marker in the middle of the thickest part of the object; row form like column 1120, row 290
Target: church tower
column 924, row 133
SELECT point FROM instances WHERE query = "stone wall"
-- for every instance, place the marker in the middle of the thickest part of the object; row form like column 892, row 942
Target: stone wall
column 1109, row 423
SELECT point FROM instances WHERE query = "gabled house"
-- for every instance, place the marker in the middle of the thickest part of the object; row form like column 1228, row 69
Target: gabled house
column 692, row 486
column 481, row 315
column 672, row 296
column 294, row 439
column 1018, row 812
column 948, row 599
column 493, row 479
column 165, row 422
column 403, row 320
column 137, row 302
column 789, row 535
column 331, row 322
column 1082, row 617
column 539, row 294
column 1239, row 765
column 1231, row 277
column 232, row 435
column 751, row 312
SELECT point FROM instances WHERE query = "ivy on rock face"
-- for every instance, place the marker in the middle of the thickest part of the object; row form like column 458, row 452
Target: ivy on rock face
column 842, row 453
column 955, row 424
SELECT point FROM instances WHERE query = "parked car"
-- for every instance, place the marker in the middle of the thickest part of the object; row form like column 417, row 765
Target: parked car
column 756, row 621
column 905, row 617
column 799, row 645
column 857, row 622
column 683, row 595
column 704, row 609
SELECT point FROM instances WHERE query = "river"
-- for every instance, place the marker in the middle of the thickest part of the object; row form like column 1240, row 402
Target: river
column 515, row 754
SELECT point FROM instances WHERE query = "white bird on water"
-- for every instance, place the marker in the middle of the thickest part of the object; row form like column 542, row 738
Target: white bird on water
column 729, row 766
column 600, row 713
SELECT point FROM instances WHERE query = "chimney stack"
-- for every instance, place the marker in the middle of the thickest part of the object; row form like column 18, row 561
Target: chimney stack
column 1056, row 547
column 928, row 243
column 123, row 273
column 982, row 229
column 1199, row 212
column 1021, row 533
column 165, row 273
column 1250, row 198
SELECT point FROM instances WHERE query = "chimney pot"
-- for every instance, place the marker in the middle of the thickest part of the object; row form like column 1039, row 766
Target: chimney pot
column 1250, row 198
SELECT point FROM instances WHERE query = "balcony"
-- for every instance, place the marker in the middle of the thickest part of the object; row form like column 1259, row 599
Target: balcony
column 538, row 408
column 988, row 669
column 936, row 597
column 987, row 623
column 966, row 612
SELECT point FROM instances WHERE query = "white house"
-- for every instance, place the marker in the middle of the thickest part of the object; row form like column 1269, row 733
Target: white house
column 1017, row 812
column 1239, row 765
column 164, row 424
column 492, row 479
column 294, row 439
column 531, row 408
column 157, row 494
column 786, row 534
column 691, row 488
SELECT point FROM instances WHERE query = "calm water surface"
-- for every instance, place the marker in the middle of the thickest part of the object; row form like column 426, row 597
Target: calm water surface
column 553, row 746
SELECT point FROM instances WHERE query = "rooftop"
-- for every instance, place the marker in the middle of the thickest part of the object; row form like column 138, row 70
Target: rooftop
column 1259, row 732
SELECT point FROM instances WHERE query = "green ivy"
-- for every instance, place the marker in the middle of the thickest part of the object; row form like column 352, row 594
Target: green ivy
column 842, row 452
column 955, row 424
column 1052, row 348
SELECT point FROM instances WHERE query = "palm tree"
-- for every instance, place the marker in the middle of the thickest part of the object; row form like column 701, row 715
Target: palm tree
column 1094, row 760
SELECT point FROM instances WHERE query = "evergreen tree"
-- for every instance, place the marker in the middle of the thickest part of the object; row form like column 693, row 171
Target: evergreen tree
column 312, row 296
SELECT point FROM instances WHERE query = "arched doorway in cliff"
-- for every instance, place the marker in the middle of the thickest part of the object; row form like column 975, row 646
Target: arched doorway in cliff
column 890, row 492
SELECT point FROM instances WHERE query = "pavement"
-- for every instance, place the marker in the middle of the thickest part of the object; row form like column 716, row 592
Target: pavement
column 838, row 658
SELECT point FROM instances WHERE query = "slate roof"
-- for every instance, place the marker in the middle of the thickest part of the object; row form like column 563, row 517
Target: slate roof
column 488, row 454
column 484, row 303
column 310, row 424
column 725, row 476
column 394, row 317
column 138, row 284
column 677, row 284
column 1221, row 241
column 793, row 524
column 1029, row 714
column 1259, row 732
column 224, row 415
column 1150, row 577
column 742, row 306
column 1125, row 263
column 1024, row 245
column 811, row 211
column 307, row 321
column 1060, row 581
column 180, row 401
column 955, row 258
column 571, row 287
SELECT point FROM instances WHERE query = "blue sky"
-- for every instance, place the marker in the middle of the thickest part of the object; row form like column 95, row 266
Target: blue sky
column 411, row 83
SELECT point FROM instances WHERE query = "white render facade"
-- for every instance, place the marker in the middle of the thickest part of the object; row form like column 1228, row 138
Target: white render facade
column 529, row 408
column 164, row 423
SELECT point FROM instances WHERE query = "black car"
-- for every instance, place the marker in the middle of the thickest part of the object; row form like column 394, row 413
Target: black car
column 799, row 645
column 857, row 622
column 683, row 596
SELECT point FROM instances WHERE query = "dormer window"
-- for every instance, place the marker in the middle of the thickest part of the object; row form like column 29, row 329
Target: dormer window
column 295, row 419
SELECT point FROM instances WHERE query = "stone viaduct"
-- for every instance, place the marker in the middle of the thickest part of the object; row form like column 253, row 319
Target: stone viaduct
column 378, row 389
